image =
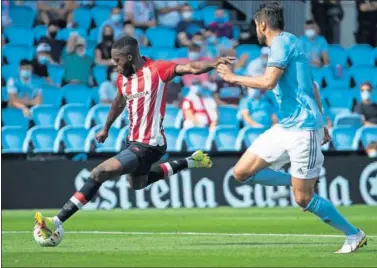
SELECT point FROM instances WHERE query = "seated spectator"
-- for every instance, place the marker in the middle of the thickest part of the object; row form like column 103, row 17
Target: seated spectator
column 367, row 108
column 76, row 63
column 168, row 12
column 103, row 49
column 256, row 110
column 108, row 88
column 372, row 149
column 129, row 29
column 258, row 66
column 188, row 27
column 49, row 10
column 115, row 22
column 315, row 46
column 55, row 45
column 199, row 108
column 42, row 59
column 140, row 13
column 220, row 27
column 23, row 93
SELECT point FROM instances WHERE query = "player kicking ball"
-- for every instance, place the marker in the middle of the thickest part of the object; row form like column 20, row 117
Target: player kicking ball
column 141, row 87
column 298, row 136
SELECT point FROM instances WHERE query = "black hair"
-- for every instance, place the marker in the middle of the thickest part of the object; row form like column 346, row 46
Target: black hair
column 194, row 46
column 109, row 70
column 54, row 23
column 126, row 42
column 25, row 62
column 127, row 22
column 308, row 22
column 272, row 13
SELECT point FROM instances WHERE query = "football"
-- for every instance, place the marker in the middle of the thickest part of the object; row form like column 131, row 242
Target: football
column 54, row 239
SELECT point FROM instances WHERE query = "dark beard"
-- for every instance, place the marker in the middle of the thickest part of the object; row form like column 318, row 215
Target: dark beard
column 128, row 70
column 262, row 40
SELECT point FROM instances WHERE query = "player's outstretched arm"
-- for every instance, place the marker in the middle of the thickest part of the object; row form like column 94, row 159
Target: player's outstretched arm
column 199, row 67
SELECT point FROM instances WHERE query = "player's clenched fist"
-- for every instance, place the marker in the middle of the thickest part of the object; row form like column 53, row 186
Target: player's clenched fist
column 225, row 72
column 102, row 135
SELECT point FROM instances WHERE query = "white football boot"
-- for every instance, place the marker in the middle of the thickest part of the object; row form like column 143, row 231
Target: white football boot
column 353, row 243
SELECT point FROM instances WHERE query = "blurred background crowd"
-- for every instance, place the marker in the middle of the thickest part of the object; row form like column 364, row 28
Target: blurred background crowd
column 57, row 69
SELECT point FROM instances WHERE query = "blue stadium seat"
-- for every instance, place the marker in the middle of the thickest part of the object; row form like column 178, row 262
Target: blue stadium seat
column 76, row 93
column 19, row 36
column 161, row 36
column 318, row 75
column 349, row 120
column 44, row 115
column 236, row 32
column 338, row 55
column 82, row 17
column 227, row 116
column 248, row 135
column 363, row 74
column 333, row 79
column 16, row 53
column 164, row 53
column 22, row 16
column 342, row 138
column 334, row 112
column 91, row 48
column 99, row 73
column 12, row 139
column 196, row 4
column 72, row 115
column 252, row 50
column 63, row 34
column 122, row 137
column 365, row 136
column 338, row 98
column 39, row 31
column 100, row 14
column 98, row 115
column 361, row 54
column 52, row 95
column 56, row 73
column 95, row 95
column 108, row 145
column 42, row 139
column 182, row 52
column 14, row 117
column 225, row 138
column 146, row 51
column 196, row 139
column 208, row 14
column 10, row 70
column 4, row 94
column 171, row 116
column 230, row 92
column 73, row 139
column 93, row 34
column 107, row 3
column 173, row 139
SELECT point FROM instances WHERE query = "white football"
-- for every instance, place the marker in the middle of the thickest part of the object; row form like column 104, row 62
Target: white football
column 52, row 241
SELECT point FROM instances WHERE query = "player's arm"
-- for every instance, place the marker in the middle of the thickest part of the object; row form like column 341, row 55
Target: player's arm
column 199, row 67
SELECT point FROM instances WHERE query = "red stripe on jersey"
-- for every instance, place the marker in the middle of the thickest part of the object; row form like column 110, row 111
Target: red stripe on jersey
column 162, row 111
column 165, row 170
column 119, row 83
column 129, row 106
column 140, row 104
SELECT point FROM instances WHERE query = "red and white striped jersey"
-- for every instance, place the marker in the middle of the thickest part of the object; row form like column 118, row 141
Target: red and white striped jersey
column 145, row 93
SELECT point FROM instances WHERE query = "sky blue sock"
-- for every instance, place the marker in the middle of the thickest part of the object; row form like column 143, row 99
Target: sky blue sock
column 329, row 214
column 270, row 177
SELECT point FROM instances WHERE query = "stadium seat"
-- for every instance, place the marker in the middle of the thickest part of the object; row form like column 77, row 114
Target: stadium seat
column 161, row 36
column 44, row 115
column 146, row 51
column 95, row 95
column 164, row 53
column 56, row 73
column 252, row 50
column 82, row 17
column 42, row 139
column 225, row 138
column 173, row 139
column 72, row 115
column 182, row 52
column 108, row 145
column 76, row 93
column 334, row 112
column 52, row 95
column 363, row 74
column 122, row 137
column 12, row 139
column 22, row 16
column 107, row 3
column 208, row 14
column 196, row 139
column 236, row 32
column 338, row 98
column 342, row 138
column 99, row 74
column 338, row 55
column 230, row 92
column 97, row 115
column 227, row 116
column 4, row 94
column 73, row 139
column 16, row 53
column 364, row 136
column 93, row 34
column 100, row 14
column 10, row 70
column 64, row 34
column 39, row 31
column 19, row 36
column 361, row 54
column 14, row 117
column 91, row 48
column 318, row 75
column 333, row 78
column 196, row 4
column 248, row 135
column 349, row 120
column 171, row 119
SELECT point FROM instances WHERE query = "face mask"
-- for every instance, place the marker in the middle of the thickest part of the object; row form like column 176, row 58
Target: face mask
column 108, row 37
column 365, row 95
column 310, row 33
column 116, row 18
column 372, row 154
column 193, row 55
column 25, row 74
column 187, row 15
column 198, row 43
column 220, row 20
column 114, row 76
column 53, row 34
column 43, row 59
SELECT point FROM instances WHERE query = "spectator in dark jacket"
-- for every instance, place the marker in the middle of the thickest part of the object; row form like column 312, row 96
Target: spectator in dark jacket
column 56, row 45
column 220, row 26
column 367, row 18
column 367, row 108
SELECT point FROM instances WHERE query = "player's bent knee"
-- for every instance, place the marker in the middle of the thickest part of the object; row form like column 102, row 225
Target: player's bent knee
column 240, row 175
column 102, row 173
column 303, row 199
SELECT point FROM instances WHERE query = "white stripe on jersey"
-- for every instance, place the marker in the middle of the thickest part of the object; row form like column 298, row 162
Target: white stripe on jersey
column 156, row 137
column 147, row 86
column 134, row 89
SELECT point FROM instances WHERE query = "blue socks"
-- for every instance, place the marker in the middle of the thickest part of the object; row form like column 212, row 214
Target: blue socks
column 270, row 177
column 327, row 212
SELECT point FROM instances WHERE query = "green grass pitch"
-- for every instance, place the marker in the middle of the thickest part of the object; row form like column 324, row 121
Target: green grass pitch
column 190, row 237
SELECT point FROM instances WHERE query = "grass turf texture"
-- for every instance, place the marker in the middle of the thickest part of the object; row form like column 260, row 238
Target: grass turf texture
column 161, row 249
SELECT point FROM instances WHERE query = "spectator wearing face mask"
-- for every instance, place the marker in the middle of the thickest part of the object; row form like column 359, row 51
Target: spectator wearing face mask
column 315, row 46
column 199, row 108
column 76, row 63
column 56, row 46
column 258, row 66
column 168, row 12
column 220, row 27
column 23, row 92
column 42, row 60
column 129, row 30
column 108, row 89
column 188, row 27
column 115, row 22
column 103, row 49
column 140, row 13
column 367, row 108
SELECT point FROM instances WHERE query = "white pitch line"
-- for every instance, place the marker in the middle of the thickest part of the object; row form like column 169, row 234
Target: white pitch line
column 187, row 234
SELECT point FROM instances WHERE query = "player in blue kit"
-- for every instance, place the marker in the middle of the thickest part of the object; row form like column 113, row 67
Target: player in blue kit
column 298, row 136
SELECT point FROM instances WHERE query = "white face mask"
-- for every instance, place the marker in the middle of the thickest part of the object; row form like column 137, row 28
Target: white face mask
column 187, row 15
column 365, row 95
column 310, row 33
column 372, row 154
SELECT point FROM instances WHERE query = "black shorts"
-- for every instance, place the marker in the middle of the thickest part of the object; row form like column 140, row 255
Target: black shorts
column 146, row 155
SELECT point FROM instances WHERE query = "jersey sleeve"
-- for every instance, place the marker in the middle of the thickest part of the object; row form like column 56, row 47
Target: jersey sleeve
column 166, row 70
column 279, row 53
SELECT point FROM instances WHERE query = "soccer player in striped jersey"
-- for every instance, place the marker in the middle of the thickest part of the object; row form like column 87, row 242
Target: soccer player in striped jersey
column 141, row 87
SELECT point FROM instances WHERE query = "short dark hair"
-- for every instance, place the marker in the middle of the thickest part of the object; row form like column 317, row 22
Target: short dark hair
column 25, row 62
column 272, row 13
column 125, row 42
column 308, row 22
column 366, row 84
column 127, row 22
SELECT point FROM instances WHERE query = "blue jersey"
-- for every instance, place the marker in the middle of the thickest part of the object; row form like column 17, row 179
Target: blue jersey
column 294, row 91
